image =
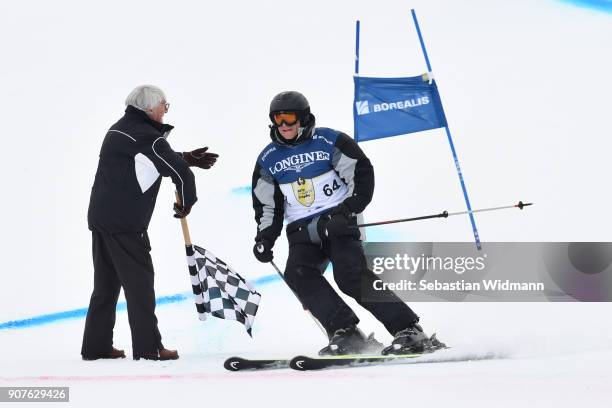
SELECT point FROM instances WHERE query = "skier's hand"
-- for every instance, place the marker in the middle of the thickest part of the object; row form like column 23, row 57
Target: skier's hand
column 200, row 158
column 341, row 223
column 180, row 211
column 263, row 251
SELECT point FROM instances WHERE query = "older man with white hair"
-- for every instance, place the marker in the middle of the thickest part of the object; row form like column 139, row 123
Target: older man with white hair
column 134, row 156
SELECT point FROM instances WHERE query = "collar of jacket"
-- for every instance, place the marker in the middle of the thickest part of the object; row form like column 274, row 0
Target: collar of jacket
column 163, row 128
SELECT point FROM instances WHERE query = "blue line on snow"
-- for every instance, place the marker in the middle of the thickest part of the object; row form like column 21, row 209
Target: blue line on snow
column 82, row 312
column 378, row 234
column 244, row 190
column 601, row 5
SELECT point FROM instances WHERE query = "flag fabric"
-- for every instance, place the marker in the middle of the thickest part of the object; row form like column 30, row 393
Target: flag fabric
column 220, row 291
column 387, row 107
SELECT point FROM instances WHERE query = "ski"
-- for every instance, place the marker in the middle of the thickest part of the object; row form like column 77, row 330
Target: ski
column 240, row 364
column 305, row 363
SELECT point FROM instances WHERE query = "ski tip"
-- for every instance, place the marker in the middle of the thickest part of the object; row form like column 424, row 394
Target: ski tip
column 232, row 364
column 242, row 364
column 297, row 363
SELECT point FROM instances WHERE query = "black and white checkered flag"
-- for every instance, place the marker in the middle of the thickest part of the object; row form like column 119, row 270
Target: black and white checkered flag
column 219, row 290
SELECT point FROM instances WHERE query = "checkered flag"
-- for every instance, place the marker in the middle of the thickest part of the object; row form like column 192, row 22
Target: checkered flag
column 219, row 290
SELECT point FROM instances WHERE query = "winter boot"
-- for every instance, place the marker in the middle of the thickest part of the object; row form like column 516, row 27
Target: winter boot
column 161, row 355
column 350, row 340
column 112, row 354
column 412, row 340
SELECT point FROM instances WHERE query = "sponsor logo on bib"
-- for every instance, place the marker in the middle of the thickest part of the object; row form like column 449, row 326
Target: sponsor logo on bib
column 304, row 191
column 298, row 162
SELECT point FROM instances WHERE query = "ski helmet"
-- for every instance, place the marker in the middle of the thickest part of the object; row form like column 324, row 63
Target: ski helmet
column 291, row 101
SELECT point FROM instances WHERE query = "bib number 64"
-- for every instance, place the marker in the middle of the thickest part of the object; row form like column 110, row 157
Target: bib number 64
column 329, row 190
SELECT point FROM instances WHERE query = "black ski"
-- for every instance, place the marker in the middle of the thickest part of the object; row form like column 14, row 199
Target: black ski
column 304, row 363
column 239, row 364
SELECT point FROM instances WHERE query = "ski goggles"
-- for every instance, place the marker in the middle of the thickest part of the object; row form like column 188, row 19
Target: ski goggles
column 288, row 118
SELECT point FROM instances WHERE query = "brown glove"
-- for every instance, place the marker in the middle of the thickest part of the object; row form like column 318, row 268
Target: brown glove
column 200, row 158
column 180, row 211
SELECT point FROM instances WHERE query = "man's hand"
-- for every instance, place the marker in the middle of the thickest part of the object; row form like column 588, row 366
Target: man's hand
column 180, row 211
column 263, row 251
column 200, row 158
column 341, row 223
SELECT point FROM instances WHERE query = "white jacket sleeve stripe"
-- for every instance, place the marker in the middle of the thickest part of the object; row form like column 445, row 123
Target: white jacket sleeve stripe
column 118, row 131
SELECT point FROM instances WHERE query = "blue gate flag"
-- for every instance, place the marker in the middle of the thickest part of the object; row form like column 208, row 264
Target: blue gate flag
column 387, row 107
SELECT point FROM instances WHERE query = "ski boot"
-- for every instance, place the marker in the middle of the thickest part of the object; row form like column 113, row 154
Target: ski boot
column 413, row 340
column 350, row 340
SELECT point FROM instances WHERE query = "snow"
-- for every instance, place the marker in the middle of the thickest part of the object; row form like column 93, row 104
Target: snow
column 550, row 354
column 525, row 87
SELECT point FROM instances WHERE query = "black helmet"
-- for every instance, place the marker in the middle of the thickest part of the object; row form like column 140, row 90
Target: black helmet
column 292, row 101
column 289, row 101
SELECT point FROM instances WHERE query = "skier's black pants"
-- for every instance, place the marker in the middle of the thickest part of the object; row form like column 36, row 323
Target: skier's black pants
column 121, row 260
column 304, row 274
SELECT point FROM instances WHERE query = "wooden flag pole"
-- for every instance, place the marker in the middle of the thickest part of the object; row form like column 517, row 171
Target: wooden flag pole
column 184, row 226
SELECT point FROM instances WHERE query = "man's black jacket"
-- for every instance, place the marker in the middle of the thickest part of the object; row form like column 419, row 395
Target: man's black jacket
column 133, row 156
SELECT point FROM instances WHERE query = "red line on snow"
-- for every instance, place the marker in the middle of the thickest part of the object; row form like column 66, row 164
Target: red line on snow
column 196, row 376
column 134, row 377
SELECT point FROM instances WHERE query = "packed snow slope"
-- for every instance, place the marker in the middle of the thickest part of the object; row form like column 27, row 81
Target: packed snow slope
column 525, row 88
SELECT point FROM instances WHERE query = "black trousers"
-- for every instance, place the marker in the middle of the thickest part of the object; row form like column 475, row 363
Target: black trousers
column 308, row 258
column 121, row 261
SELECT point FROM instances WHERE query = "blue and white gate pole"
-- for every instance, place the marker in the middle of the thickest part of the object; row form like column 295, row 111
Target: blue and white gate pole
column 450, row 141
column 357, row 26
column 360, row 217
column 357, row 47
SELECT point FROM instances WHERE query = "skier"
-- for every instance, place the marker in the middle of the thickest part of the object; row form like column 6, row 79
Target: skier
column 134, row 154
column 318, row 179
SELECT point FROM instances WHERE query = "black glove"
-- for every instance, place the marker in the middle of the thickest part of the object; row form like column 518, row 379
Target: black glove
column 341, row 223
column 180, row 211
column 263, row 251
column 199, row 158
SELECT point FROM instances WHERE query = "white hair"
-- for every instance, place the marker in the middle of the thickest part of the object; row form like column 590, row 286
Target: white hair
column 145, row 97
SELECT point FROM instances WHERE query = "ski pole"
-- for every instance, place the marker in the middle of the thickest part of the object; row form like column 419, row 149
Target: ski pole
column 260, row 249
column 444, row 214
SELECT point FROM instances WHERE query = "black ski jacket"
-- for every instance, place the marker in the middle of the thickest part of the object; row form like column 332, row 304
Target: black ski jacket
column 302, row 181
column 133, row 156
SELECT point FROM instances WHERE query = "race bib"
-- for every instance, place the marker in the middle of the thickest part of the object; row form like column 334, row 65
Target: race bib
column 307, row 196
